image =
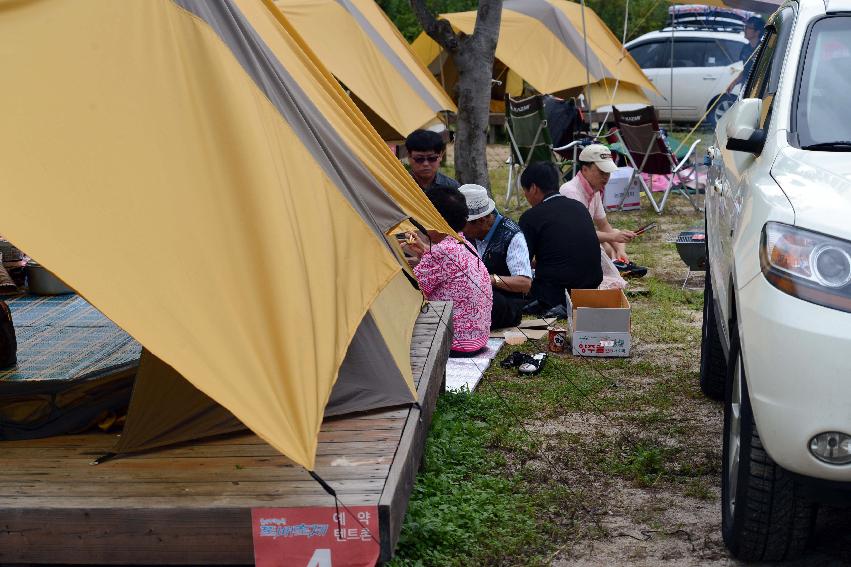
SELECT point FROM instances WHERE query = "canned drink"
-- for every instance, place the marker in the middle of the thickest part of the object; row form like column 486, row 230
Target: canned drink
column 557, row 339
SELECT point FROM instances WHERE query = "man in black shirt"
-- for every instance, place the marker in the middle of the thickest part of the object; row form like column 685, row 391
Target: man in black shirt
column 561, row 238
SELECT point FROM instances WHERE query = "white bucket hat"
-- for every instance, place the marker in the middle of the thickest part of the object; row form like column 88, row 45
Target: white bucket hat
column 601, row 155
column 478, row 203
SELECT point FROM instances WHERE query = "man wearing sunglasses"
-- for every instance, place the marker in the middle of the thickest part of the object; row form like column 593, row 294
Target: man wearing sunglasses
column 425, row 152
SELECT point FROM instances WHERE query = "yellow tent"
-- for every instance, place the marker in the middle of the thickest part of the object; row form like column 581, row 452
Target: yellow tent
column 356, row 41
column 542, row 42
column 198, row 176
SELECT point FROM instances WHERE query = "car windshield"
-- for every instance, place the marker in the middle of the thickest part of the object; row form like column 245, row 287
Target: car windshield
column 824, row 97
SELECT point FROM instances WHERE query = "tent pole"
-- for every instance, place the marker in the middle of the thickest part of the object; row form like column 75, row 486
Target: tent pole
column 587, row 73
column 671, row 96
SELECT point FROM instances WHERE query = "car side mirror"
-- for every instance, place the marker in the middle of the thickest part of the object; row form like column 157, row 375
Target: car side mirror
column 743, row 132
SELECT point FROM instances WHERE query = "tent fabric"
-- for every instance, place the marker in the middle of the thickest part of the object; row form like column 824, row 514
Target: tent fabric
column 283, row 91
column 542, row 41
column 349, row 123
column 166, row 409
column 205, row 183
column 364, row 50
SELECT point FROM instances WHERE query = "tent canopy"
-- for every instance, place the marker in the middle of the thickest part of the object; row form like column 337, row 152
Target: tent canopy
column 196, row 174
column 542, row 42
column 356, row 41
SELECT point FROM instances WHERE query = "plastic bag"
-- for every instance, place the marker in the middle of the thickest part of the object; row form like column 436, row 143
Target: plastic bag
column 611, row 277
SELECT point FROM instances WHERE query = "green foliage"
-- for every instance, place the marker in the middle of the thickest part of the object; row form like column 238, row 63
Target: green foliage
column 403, row 16
column 643, row 463
column 645, row 15
column 466, row 507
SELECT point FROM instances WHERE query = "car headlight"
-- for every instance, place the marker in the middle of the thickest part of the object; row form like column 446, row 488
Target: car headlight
column 807, row 265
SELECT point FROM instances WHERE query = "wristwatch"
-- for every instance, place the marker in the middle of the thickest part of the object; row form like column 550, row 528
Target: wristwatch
column 496, row 280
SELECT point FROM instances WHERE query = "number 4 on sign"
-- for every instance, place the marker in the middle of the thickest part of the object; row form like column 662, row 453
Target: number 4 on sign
column 320, row 558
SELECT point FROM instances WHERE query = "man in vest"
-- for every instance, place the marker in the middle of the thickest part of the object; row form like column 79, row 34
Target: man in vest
column 502, row 247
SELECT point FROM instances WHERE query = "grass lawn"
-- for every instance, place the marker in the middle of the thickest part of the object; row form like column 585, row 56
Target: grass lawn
column 586, row 462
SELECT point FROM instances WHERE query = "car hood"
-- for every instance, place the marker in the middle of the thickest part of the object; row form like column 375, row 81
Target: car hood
column 818, row 185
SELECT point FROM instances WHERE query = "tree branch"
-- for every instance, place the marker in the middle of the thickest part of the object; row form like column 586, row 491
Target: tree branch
column 488, row 19
column 439, row 30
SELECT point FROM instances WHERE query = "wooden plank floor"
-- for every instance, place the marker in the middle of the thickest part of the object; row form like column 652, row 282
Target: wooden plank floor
column 192, row 504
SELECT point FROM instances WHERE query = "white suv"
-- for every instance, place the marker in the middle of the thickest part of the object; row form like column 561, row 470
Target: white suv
column 704, row 64
column 777, row 314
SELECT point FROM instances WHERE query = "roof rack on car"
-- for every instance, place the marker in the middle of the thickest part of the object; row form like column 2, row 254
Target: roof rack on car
column 699, row 16
column 703, row 27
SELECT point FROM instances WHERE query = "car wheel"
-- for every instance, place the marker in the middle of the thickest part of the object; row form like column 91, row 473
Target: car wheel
column 713, row 365
column 719, row 106
column 764, row 517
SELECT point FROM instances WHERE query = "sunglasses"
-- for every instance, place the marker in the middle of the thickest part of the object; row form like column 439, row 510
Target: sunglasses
column 423, row 159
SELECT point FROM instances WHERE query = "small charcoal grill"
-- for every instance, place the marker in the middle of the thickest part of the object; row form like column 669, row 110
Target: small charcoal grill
column 691, row 246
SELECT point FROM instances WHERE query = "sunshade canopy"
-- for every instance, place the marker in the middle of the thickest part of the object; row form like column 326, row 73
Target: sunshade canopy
column 195, row 173
column 542, row 41
column 356, row 41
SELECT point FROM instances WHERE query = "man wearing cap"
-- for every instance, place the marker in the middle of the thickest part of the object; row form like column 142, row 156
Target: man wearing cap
column 502, row 247
column 595, row 167
column 425, row 152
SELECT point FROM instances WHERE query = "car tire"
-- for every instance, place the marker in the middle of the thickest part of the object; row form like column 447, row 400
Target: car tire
column 719, row 106
column 764, row 517
column 713, row 364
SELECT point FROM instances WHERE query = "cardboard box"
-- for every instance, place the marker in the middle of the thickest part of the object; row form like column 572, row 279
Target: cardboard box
column 615, row 188
column 600, row 322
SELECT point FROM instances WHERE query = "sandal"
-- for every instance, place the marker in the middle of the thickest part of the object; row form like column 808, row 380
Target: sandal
column 533, row 364
column 513, row 360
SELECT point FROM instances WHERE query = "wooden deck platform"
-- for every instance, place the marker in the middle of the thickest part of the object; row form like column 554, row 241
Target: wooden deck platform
column 192, row 504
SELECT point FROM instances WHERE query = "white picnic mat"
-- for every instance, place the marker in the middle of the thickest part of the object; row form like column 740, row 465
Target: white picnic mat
column 465, row 373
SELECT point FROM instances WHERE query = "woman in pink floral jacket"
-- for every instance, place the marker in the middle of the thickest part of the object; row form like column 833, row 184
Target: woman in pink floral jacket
column 449, row 270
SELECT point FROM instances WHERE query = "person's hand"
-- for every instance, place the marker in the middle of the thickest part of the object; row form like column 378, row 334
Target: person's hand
column 415, row 245
column 623, row 236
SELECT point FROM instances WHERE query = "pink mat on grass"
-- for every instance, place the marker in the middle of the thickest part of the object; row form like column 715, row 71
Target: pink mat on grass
column 660, row 182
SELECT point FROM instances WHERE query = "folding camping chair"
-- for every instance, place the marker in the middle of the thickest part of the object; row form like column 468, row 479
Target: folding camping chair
column 530, row 140
column 647, row 152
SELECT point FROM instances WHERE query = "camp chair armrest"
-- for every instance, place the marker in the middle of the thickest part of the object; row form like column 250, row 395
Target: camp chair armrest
column 567, row 147
column 686, row 157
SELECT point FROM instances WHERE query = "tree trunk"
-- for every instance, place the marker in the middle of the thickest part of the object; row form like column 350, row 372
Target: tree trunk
column 473, row 56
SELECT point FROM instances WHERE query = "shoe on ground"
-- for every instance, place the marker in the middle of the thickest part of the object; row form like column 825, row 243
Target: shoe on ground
column 557, row 312
column 514, row 360
column 630, row 269
column 533, row 364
